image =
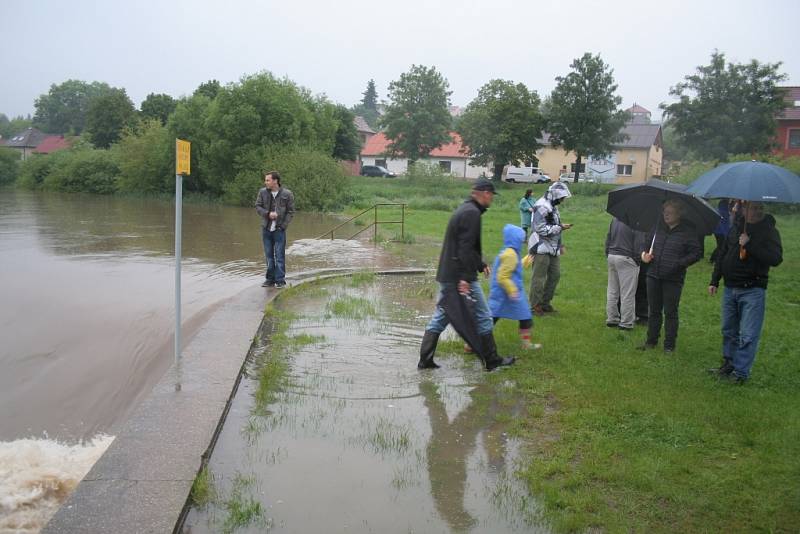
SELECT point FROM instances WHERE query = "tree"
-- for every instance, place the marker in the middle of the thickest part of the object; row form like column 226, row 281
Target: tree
column 728, row 108
column 9, row 165
column 64, row 108
column 9, row 128
column 145, row 157
column 208, row 89
column 502, row 125
column 158, row 106
column 417, row 120
column 582, row 111
column 108, row 116
column 370, row 100
column 347, row 143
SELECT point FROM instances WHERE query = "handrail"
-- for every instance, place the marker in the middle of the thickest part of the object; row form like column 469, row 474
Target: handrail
column 375, row 222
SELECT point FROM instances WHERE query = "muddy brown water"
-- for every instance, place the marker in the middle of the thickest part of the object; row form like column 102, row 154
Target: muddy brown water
column 357, row 439
column 87, row 315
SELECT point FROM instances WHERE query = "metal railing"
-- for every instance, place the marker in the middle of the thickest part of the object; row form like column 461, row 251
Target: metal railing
column 374, row 224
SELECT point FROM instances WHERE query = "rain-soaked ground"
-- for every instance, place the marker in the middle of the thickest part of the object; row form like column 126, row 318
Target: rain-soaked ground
column 355, row 438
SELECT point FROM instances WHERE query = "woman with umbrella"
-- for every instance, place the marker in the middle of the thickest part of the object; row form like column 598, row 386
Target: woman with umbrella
column 674, row 246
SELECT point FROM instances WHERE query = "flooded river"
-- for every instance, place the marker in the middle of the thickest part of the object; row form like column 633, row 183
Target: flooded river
column 355, row 438
column 87, row 313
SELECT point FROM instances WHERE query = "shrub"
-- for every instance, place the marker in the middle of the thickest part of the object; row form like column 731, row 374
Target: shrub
column 84, row 170
column 34, row 170
column 9, row 165
column 145, row 158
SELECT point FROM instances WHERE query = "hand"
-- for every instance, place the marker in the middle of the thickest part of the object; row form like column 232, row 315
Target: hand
column 647, row 257
column 566, row 226
column 530, row 210
column 487, row 271
column 463, row 287
column 744, row 239
column 514, row 295
column 712, row 290
column 273, row 215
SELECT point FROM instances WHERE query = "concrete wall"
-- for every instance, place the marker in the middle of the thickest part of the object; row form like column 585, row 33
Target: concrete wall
column 459, row 167
column 646, row 162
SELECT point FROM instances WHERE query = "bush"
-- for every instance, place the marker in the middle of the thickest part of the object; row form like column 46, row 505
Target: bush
column 316, row 179
column 84, row 170
column 34, row 170
column 428, row 173
column 9, row 165
column 145, row 158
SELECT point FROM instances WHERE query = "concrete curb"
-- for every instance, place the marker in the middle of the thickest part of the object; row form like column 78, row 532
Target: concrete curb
column 143, row 481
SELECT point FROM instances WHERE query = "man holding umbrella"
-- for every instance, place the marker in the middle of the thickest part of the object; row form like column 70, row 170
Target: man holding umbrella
column 752, row 246
column 461, row 301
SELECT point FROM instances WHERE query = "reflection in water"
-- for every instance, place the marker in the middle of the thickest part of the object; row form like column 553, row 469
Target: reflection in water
column 358, row 440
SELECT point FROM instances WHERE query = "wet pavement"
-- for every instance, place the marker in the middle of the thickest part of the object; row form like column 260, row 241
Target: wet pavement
column 355, row 438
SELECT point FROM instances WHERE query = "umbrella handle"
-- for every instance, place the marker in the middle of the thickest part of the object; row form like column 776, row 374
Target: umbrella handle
column 652, row 243
column 742, row 251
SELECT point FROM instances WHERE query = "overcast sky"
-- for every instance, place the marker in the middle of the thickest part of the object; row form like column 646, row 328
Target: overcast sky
column 335, row 47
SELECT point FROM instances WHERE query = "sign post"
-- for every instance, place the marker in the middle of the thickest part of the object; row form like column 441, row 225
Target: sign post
column 182, row 166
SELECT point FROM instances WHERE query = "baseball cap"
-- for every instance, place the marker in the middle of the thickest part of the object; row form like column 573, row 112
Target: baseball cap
column 482, row 184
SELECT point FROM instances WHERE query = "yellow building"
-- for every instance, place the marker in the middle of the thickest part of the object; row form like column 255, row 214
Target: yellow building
column 636, row 159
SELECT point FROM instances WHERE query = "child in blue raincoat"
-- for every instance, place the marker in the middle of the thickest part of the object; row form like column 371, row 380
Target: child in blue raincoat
column 506, row 296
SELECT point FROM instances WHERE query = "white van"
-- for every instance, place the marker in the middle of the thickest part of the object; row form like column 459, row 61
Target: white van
column 524, row 175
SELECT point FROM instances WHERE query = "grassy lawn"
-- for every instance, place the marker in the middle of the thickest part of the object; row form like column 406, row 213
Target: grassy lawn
column 622, row 440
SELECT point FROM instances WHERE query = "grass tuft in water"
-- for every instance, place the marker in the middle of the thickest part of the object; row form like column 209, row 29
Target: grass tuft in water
column 241, row 509
column 203, row 489
column 362, row 278
column 386, row 436
column 351, row 308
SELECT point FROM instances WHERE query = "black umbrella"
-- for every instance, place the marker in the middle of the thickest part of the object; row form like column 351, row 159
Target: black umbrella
column 749, row 180
column 639, row 206
column 460, row 311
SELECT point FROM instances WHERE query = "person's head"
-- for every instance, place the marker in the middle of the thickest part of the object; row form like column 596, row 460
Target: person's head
column 754, row 212
column 483, row 191
column 272, row 180
column 671, row 211
column 558, row 192
column 528, row 193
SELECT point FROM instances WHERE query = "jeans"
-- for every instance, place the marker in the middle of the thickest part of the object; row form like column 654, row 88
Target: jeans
column 483, row 317
column 275, row 253
column 742, row 317
column 623, row 275
column 546, row 274
column 663, row 295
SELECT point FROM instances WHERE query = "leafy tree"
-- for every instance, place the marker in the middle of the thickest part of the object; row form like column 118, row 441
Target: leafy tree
column 145, row 157
column 65, row 107
column 208, row 89
column 582, row 111
column 727, row 108
column 10, row 127
column 417, row 119
column 188, row 122
column 347, row 143
column 86, row 170
column 502, row 125
column 9, row 165
column 370, row 100
column 158, row 106
column 108, row 116
column 674, row 150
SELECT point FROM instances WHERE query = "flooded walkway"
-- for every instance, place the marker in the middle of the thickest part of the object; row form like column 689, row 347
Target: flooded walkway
column 333, row 428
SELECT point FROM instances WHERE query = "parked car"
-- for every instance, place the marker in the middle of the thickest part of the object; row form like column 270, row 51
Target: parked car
column 570, row 177
column 376, row 170
column 524, row 175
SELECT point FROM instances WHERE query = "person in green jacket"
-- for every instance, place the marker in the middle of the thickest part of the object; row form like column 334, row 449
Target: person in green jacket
column 525, row 211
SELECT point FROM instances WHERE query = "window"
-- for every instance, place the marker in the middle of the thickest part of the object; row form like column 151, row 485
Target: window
column 445, row 166
column 572, row 168
column 625, row 170
column 794, row 138
column 380, row 163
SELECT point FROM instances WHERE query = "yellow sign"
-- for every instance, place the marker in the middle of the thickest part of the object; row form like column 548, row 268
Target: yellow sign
column 183, row 159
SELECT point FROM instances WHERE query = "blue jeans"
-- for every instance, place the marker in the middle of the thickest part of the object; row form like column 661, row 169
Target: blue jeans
column 275, row 253
column 742, row 317
column 483, row 317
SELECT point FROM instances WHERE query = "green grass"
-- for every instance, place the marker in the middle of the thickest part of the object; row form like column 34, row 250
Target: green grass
column 349, row 307
column 620, row 440
column 240, row 507
column 203, row 489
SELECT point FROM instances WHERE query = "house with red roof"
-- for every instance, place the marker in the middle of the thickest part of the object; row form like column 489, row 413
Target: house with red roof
column 451, row 157
column 788, row 134
column 33, row 141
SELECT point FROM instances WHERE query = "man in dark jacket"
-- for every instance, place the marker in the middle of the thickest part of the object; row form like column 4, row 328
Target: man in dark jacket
column 459, row 264
column 275, row 205
column 752, row 246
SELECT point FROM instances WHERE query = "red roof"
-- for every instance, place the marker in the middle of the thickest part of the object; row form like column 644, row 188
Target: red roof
column 636, row 108
column 51, row 143
column 378, row 144
column 791, row 111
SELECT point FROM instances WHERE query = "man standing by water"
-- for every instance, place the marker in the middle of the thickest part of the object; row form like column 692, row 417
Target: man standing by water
column 752, row 246
column 459, row 264
column 275, row 206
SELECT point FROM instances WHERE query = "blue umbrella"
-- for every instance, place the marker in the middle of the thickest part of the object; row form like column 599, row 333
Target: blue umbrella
column 748, row 180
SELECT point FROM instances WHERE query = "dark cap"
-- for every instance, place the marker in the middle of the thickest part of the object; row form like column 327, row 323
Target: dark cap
column 482, row 184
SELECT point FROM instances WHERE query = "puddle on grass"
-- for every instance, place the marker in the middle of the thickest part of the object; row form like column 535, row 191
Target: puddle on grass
column 354, row 437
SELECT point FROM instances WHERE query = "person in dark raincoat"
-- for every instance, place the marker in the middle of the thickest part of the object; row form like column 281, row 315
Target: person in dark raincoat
column 459, row 264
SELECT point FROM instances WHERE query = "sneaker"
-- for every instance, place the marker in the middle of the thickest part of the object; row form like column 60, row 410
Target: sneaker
column 268, row 283
column 612, row 325
column 669, row 350
column 625, row 328
column 646, row 346
column 733, row 378
column 725, row 369
column 548, row 308
column 280, row 285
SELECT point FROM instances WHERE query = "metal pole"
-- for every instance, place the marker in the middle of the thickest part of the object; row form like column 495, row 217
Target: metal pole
column 403, row 222
column 178, row 217
column 375, row 226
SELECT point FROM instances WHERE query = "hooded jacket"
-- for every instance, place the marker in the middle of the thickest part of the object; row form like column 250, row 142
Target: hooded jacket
column 764, row 250
column 674, row 249
column 507, row 278
column 461, row 258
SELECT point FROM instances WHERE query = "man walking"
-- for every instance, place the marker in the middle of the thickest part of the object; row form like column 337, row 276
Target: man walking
column 275, row 206
column 546, row 222
column 459, row 264
column 623, row 246
column 752, row 246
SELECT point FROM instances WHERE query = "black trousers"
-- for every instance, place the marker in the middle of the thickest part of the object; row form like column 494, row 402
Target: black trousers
column 663, row 296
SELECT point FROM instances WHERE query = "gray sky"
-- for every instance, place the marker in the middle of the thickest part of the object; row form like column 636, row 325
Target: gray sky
column 335, row 47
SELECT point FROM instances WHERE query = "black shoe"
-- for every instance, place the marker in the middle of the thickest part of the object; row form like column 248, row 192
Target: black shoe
column 625, row 328
column 646, row 346
column 612, row 325
column 723, row 370
column 280, row 285
column 268, row 283
column 669, row 350
column 427, row 349
column 548, row 309
column 733, row 378
column 491, row 360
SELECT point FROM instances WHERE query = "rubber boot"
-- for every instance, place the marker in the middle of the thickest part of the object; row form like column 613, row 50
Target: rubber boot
column 490, row 358
column 427, row 350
